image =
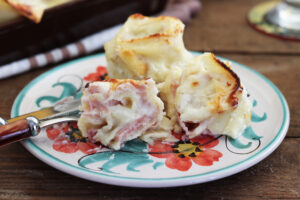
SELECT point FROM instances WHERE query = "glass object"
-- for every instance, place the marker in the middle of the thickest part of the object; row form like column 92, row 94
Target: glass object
column 286, row 15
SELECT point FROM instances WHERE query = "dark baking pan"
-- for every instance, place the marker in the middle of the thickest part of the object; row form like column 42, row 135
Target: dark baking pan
column 67, row 23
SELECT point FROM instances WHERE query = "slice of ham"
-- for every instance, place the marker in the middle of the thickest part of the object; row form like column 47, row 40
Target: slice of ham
column 115, row 111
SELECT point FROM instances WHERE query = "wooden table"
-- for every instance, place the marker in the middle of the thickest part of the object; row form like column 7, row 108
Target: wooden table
column 221, row 27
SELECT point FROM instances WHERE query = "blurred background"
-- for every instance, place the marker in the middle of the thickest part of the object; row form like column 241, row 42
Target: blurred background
column 43, row 32
column 60, row 22
column 235, row 29
column 38, row 33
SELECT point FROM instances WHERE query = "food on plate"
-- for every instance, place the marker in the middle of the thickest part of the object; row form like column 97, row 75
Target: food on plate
column 206, row 97
column 167, row 92
column 201, row 95
column 162, row 132
column 197, row 95
column 210, row 97
column 115, row 111
column 147, row 47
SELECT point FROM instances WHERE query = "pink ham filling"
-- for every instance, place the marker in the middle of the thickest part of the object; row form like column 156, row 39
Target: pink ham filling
column 93, row 89
column 191, row 126
column 97, row 105
column 114, row 102
column 129, row 128
column 91, row 133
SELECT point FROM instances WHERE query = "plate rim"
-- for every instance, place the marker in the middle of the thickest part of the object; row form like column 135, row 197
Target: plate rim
column 154, row 182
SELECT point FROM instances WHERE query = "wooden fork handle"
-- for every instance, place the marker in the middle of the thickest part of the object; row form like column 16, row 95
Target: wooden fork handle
column 19, row 130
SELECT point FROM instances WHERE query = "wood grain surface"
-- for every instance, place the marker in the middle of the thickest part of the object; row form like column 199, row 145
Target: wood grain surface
column 221, row 27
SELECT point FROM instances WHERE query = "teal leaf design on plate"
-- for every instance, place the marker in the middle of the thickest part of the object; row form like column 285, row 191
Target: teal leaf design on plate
column 134, row 154
column 68, row 90
column 157, row 165
column 238, row 144
column 248, row 134
column 255, row 117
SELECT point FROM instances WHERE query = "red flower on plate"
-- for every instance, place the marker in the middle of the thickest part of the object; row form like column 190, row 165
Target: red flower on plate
column 67, row 139
column 182, row 154
column 99, row 75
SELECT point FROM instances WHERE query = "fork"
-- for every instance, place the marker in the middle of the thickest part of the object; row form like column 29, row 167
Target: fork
column 28, row 125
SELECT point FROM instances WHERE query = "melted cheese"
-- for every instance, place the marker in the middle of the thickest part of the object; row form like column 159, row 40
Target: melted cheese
column 119, row 110
column 234, row 121
column 162, row 132
column 167, row 92
column 147, row 47
column 210, row 96
column 199, row 94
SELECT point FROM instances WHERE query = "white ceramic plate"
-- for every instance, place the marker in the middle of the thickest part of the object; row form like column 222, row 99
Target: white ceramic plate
column 135, row 165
